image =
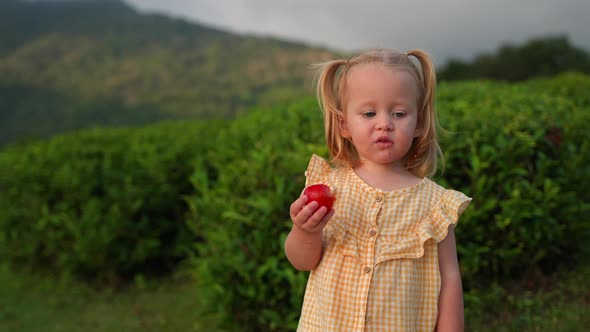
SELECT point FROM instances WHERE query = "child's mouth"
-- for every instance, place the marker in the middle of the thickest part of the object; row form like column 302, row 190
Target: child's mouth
column 384, row 141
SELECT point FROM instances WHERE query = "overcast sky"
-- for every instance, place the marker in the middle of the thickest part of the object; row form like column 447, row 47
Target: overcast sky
column 444, row 28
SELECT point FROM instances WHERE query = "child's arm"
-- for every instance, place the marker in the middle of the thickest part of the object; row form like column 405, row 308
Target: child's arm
column 450, row 301
column 303, row 245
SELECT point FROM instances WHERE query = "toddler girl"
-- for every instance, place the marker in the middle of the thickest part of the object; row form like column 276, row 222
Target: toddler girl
column 384, row 259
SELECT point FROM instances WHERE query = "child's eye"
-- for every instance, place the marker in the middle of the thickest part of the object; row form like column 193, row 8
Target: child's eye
column 369, row 114
column 399, row 114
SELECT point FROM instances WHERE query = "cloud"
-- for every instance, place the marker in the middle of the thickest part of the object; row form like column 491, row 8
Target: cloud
column 451, row 28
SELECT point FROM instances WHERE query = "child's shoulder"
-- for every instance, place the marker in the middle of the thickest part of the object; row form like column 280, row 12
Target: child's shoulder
column 317, row 164
column 440, row 192
column 444, row 202
column 434, row 187
column 319, row 170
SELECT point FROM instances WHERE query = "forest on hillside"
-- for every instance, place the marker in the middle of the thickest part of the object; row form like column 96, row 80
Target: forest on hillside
column 62, row 69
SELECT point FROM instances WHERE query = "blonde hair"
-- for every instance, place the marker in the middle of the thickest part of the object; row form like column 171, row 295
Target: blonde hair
column 422, row 157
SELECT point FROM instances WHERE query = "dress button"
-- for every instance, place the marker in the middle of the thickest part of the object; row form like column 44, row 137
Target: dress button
column 366, row 269
column 379, row 198
column 372, row 232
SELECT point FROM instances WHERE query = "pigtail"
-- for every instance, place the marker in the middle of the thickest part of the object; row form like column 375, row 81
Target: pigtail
column 329, row 94
column 426, row 148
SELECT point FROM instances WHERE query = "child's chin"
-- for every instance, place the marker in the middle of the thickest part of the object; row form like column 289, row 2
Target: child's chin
column 389, row 161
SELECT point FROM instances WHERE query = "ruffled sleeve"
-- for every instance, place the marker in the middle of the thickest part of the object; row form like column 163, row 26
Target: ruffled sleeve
column 445, row 212
column 435, row 226
column 318, row 171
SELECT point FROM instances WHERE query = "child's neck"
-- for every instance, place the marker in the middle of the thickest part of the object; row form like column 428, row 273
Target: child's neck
column 386, row 177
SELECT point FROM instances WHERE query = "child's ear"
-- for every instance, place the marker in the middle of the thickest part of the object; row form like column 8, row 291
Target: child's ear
column 418, row 131
column 343, row 127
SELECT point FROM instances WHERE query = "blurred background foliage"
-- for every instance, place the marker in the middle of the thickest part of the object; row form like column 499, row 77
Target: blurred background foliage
column 63, row 69
column 152, row 145
column 108, row 204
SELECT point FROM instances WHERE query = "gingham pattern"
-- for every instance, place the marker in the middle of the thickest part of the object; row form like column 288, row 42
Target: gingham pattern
column 379, row 270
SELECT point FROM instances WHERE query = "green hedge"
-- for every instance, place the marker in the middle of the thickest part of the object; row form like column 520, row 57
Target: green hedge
column 105, row 204
column 521, row 151
column 244, row 219
column 112, row 203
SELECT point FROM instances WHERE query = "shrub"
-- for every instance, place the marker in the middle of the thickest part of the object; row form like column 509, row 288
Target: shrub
column 519, row 150
column 105, row 204
column 112, row 203
column 243, row 217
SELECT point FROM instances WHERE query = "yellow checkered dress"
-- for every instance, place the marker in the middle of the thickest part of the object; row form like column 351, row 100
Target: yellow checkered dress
column 379, row 270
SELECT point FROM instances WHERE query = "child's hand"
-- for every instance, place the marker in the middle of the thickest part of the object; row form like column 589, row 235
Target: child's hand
column 308, row 217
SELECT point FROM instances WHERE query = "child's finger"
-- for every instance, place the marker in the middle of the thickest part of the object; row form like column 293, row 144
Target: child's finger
column 297, row 206
column 319, row 220
column 306, row 213
column 316, row 217
column 325, row 219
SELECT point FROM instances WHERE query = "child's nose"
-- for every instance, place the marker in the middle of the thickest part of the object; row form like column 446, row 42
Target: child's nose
column 386, row 122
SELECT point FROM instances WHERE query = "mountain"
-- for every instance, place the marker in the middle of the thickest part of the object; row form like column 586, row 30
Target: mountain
column 67, row 65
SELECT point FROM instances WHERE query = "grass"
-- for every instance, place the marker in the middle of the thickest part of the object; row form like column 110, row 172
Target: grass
column 560, row 302
column 32, row 303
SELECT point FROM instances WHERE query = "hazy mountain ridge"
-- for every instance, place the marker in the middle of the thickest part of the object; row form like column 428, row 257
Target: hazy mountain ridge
column 89, row 52
column 67, row 65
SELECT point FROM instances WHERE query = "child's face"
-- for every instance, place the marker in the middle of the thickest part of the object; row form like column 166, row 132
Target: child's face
column 381, row 113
